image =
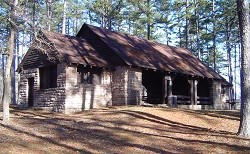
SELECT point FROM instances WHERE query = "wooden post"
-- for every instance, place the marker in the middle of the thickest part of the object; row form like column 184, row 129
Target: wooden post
column 195, row 91
column 164, row 89
column 191, row 91
column 170, row 87
column 170, row 95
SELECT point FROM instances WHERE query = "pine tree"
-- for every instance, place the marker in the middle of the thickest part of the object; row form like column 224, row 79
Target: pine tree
column 7, row 75
column 244, row 24
column 106, row 12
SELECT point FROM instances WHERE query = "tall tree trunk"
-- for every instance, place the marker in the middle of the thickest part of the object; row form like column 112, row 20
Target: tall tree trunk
column 235, row 67
column 3, row 59
column 64, row 17
column 228, row 46
column 49, row 13
column 244, row 24
column 90, row 17
column 239, row 49
column 14, row 61
column 179, row 32
column 1, row 82
column 187, row 23
column 7, row 77
column 166, row 30
column 207, row 48
column 197, row 29
column 33, row 20
column 68, row 23
column 214, row 37
column 76, row 23
column 148, row 31
column 148, row 21
column 109, row 23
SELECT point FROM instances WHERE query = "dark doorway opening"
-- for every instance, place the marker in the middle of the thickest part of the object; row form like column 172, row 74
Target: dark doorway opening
column 30, row 92
column 152, row 81
column 203, row 92
column 181, row 89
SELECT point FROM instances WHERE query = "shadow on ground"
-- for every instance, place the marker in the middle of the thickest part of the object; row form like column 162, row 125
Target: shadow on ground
column 123, row 131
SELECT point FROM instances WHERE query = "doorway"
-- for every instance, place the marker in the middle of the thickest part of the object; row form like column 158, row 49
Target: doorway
column 152, row 81
column 30, row 92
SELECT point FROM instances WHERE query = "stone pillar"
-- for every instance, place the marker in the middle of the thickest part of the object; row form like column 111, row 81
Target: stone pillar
column 71, row 76
column 74, row 99
column 216, row 95
column 134, row 86
column 127, row 86
column 118, row 86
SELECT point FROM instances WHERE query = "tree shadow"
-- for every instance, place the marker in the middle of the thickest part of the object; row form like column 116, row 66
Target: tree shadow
column 226, row 114
column 83, row 132
column 46, row 139
column 89, row 131
column 159, row 120
column 235, row 147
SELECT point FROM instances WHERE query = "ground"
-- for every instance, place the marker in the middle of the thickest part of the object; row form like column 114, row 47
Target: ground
column 123, row 130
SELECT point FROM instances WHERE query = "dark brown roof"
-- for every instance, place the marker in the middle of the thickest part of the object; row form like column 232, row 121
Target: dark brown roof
column 75, row 50
column 139, row 52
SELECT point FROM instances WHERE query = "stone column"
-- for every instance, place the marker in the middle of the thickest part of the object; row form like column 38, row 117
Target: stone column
column 119, row 86
column 127, row 86
column 216, row 95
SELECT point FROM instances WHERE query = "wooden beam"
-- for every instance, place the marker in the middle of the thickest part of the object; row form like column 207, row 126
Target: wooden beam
column 170, row 85
column 195, row 91
column 164, row 89
column 191, row 91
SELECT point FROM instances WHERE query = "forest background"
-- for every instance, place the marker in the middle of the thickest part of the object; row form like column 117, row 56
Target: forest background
column 208, row 28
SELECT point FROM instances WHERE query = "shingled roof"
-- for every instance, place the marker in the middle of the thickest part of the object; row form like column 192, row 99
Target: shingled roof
column 138, row 52
column 66, row 48
column 76, row 50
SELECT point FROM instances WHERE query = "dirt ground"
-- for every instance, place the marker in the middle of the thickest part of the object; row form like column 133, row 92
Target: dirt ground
column 123, row 130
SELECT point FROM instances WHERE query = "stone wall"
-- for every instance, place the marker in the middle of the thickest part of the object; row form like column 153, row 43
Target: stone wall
column 48, row 99
column 126, row 86
column 218, row 104
column 69, row 95
column 225, row 95
column 23, row 85
column 81, row 96
column 121, row 87
column 87, row 96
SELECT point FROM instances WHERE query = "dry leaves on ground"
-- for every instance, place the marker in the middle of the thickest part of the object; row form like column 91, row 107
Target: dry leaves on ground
column 123, row 130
